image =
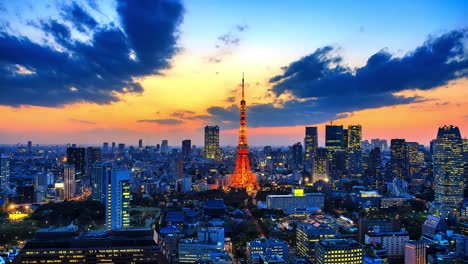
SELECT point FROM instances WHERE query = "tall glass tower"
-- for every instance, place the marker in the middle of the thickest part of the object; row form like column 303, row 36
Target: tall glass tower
column 448, row 169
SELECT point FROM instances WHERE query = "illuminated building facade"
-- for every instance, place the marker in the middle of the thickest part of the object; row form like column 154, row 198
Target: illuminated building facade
column 338, row 251
column 118, row 199
column 310, row 143
column 69, row 181
column 334, row 141
column 415, row 251
column 212, row 150
column 354, row 146
column 321, row 166
column 265, row 247
column 307, row 234
column 448, row 169
column 393, row 242
column 243, row 177
column 67, row 245
column 399, row 158
column 296, row 202
column 76, row 157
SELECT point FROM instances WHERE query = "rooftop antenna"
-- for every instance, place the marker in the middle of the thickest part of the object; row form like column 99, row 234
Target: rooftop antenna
column 242, row 86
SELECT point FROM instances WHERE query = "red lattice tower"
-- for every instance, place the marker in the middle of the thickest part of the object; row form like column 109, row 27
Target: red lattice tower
column 243, row 177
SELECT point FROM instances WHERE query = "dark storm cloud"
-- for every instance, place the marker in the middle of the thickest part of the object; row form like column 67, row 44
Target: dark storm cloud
column 323, row 89
column 96, row 71
column 433, row 64
column 80, row 19
column 167, row 121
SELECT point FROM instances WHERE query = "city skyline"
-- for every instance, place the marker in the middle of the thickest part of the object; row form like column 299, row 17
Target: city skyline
column 187, row 77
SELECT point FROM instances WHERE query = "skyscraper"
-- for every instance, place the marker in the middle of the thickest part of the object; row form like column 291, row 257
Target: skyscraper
column 211, row 142
column 354, row 145
column 4, row 175
column 413, row 157
column 320, row 169
column 69, row 181
column 140, row 144
column 92, row 155
column 374, row 162
column 243, row 177
column 113, row 147
column 164, row 146
column 121, row 147
column 29, row 146
column 105, row 147
column 296, row 155
column 448, row 169
column 99, row 173
column 178, row 169
column 76, row 156
column 118, row 199
column 310, row 143
column 399, row 158
column 334, row 141
column 186, row 148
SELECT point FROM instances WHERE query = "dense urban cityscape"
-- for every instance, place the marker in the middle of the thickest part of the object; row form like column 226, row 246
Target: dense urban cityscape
column 117, row 146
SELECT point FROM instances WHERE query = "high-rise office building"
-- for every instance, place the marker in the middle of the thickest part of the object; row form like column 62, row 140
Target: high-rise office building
column 92, row 155
column 29, row 146
column 186, row 148
column 399, row 158
column 140, row 144
column 338, row 251
column 113, row 147
column 118, row 199
column 345, row 138
column 99, row 173
column 178, row 168
column 414, row 160
column 320, row 169
column 105, row 147
column 69, row 181
column 448, row 169
column 379, row 143
column 354, row 146
column 164, row 146
column 212, row 142
column 334, row 138
column 334, row 141
column 4, row 175
column 121, row 147
column 295, row 155
column 374, row 162
column 77, row 156
column 310, row 143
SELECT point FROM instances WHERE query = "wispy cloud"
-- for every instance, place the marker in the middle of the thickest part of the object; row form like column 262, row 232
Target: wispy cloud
column 81, row 121
column 227, row 42
column 164, row 121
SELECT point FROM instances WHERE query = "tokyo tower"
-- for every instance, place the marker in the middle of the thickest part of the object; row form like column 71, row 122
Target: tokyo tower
column 243, row 177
